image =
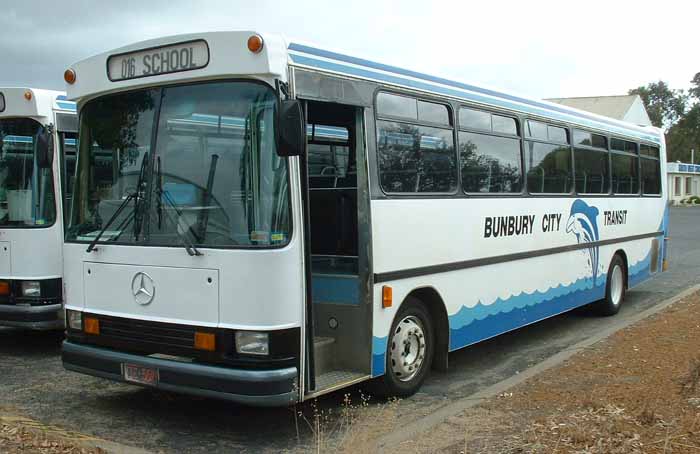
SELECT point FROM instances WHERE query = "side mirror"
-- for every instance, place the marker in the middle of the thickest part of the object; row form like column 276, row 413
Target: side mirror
column 44, row 148
column 291, row 139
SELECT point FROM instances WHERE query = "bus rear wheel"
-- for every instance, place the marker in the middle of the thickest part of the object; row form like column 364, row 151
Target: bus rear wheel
column 409, row 352
column 614, row 288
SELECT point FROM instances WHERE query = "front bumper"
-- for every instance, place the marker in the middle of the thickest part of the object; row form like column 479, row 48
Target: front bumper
column 44, row 317
column 268, row 388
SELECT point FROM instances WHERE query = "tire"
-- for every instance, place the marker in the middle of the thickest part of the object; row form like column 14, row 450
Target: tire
column 412, row 328
column 614, row 288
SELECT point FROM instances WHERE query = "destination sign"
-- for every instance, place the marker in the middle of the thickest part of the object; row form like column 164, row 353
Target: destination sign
column 160, row 60
column 2, row 102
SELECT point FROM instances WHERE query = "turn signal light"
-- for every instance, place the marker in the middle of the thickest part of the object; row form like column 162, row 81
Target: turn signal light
column 28, row 95
column 4, row 288
column 255, row 43
column 69, row 76
column 91, row 326
column 387, row 296
column 205, row 341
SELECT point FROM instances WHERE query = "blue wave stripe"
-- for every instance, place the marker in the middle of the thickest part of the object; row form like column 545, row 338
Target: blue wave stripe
column 472, row 92
column 472, row 325
column 541, row 305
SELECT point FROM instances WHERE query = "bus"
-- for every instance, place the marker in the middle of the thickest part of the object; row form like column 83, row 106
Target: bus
column 37, row 152
column 265, row 222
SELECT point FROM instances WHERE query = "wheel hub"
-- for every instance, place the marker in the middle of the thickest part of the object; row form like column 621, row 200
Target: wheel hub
column 407, row 348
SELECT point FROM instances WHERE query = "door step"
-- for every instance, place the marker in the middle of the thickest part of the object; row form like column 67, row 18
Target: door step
column 323, row 355
column 336, row 379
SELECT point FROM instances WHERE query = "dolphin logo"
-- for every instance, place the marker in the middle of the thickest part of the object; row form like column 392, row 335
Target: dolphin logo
column 583, row 223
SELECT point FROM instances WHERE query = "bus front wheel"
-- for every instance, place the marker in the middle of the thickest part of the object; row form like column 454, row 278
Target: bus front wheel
column 614, row 288
column 409, row 350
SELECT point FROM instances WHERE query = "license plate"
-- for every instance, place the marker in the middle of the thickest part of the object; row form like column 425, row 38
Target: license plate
column 140, row 374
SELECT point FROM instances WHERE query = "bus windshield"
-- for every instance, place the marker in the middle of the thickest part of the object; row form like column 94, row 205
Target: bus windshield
column 26, row 190
column 192, row 164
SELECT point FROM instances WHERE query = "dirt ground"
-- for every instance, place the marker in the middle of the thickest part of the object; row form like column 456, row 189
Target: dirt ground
column 635, row 392
column 16, row 437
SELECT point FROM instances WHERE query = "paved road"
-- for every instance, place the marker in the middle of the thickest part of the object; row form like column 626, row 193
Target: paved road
column 33, row 382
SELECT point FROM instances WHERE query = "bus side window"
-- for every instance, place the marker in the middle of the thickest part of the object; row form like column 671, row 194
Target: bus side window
column 548, row 161
column 624, row 164
column 489, row 152
column 415, row 146
column 651, row 170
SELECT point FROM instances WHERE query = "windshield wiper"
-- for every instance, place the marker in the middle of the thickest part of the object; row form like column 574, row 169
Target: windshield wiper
column 135, row 213
column 125, row 202
column 189, row 245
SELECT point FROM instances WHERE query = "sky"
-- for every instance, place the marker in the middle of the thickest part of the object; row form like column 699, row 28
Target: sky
column 535, row 48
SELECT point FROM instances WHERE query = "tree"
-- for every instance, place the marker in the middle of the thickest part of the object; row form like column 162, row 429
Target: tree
column 664, row 105
column 684, row 136
column 695, row 90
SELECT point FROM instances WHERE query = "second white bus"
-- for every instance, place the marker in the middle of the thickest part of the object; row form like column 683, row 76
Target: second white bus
column 38, row 131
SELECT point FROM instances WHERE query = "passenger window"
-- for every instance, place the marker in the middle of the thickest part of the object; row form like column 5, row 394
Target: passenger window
column 537, row 130
column 599, row 141
column 490, row 164
column 591, row 171
column 557, row 134
column 415, row 159
column 548, row 168
column 646, row 150
column 396, row 106
column 582, row 138
column 474, row 119
column 504, row 125
column 651, row 176
column 625, row 175
column 431, row 112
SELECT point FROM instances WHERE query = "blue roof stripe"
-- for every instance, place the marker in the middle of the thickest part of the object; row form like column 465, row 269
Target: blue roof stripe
column 535, row 106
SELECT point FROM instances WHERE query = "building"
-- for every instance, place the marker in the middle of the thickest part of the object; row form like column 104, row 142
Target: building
column 629, row 108
column 683, row 181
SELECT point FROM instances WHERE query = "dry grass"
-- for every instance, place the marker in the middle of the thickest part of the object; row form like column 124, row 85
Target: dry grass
column 353, row 428
column 15, row 438
column 636, row 392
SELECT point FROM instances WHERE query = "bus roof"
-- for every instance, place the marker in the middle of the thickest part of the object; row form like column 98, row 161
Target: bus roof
column 32, row 102
column 227, row 56
column 328, row 61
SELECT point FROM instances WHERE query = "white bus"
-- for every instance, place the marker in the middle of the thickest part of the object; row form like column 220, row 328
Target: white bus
column 37, row 149
column 266, row 222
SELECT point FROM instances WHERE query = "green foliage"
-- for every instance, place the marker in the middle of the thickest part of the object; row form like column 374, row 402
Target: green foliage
column 679, row 112
column 684, row 136
column 664, row 105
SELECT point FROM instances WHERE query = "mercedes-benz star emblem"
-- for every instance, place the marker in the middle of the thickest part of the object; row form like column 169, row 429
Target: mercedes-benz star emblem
column 142, row 288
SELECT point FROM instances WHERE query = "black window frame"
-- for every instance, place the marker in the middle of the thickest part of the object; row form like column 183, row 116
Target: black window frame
column 569, row 137
column 404, row 120
column 650, row 158
column 519, row 136
column 607, row 149
column 612, row 152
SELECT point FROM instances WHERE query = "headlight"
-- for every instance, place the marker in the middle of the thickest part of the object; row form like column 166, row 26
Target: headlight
column 31, row 288
column 252, row 343
column 75, row 320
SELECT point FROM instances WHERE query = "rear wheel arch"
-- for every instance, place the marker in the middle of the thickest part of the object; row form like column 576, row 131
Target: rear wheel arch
column 623, row 256
column 430, row 298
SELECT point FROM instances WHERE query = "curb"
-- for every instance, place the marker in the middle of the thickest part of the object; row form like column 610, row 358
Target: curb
column 76, row 438
column 413, row 429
